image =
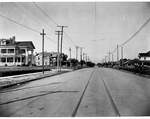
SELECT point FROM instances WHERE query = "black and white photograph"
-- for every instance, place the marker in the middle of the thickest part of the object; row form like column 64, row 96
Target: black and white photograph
column 75, row 59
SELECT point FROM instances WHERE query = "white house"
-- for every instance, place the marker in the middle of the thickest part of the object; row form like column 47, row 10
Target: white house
column 16, row 52
column 50, row 58
column 47, row 58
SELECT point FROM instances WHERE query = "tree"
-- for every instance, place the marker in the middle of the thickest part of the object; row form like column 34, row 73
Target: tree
column 74, row 62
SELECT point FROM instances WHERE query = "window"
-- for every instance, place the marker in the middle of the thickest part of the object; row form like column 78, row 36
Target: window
column 3, row 50
column 22, row 51
column 3, row 42
column 3, row 59
column 38, row 57
column 17, row 59
column 10, row 50
column 38, row 63
column 144, row 58
column 9, row 59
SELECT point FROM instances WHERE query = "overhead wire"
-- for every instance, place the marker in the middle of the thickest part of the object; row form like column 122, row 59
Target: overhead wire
column 39, row 23
column 34, row 9
column 45, row 13
column 31, row 16
column 51, row 20
column 28, row 28
column 19, row 24
column 136, row 33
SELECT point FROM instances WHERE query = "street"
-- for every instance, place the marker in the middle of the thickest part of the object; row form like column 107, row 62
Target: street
column 88, row 92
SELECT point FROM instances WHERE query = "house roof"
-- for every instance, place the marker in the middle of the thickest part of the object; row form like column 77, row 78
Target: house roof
column 52, row 54
column 28, row 44
column 45, row 54
column 144, row 54
column 10, row 42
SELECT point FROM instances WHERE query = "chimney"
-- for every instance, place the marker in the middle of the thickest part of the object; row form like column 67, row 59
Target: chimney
column 13, row 39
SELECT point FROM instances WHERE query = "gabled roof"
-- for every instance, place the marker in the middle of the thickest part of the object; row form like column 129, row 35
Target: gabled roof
column 52, row 54
column 45, row 54
column 9, row 42
column 28, row 44
column 147, row 54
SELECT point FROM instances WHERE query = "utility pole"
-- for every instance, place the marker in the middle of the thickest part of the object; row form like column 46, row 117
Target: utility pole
column 83, row 58
column 109, row 56
column 70, row 57
column 81, row 53
column 105, row 59
column 58, row 33
column 117, row 54
column 62, row 28
column 43, row 50
column 112, row 57
column 122, row 55
column 122, row 52
column 77, row 52
column 86, row 59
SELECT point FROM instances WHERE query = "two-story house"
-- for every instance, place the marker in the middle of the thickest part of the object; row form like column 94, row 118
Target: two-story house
column 13, row 53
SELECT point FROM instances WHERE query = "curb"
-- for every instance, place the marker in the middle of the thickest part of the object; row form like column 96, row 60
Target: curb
column 33, row 79
column 142, row 75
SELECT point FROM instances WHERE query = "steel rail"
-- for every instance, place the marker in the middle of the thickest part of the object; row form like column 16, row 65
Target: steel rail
column 80, row 99
column 110, row 97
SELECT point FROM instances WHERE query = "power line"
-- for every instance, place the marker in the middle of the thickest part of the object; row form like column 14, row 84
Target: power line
column 114, row 50
column 30, row 16
column 133, row 34
column 34, row 9
column 70, row 39
column 27, row 27
column 45, row 13
column 50, row 19
column 19, row 24
column 136, row 32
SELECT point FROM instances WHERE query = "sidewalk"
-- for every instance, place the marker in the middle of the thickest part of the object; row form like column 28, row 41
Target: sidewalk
column 17, row 79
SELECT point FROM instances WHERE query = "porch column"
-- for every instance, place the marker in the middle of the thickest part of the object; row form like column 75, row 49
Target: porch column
column 6, row 60
column 26, row 56
column 32, row 61
column 14, row 60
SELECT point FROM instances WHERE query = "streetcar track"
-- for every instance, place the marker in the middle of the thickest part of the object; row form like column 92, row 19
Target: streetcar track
column 80, row 99
column 110, row 97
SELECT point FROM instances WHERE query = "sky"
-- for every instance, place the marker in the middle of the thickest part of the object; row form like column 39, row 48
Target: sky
column 96, row 26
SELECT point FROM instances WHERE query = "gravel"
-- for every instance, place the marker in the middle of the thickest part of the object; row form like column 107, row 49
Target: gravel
column 11, row 80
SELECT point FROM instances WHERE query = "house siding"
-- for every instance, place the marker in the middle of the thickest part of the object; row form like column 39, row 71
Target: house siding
column 10, row 55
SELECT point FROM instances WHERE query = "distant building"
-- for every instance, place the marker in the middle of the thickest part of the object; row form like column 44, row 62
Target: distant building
column 13, row 53
column 47, row 58
column 144, row 56
column 50, row 58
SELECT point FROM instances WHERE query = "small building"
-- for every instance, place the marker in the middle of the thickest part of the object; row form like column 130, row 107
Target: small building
column 47, row 58
column 13, row 53
column 50, row 58
column 144, row 56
